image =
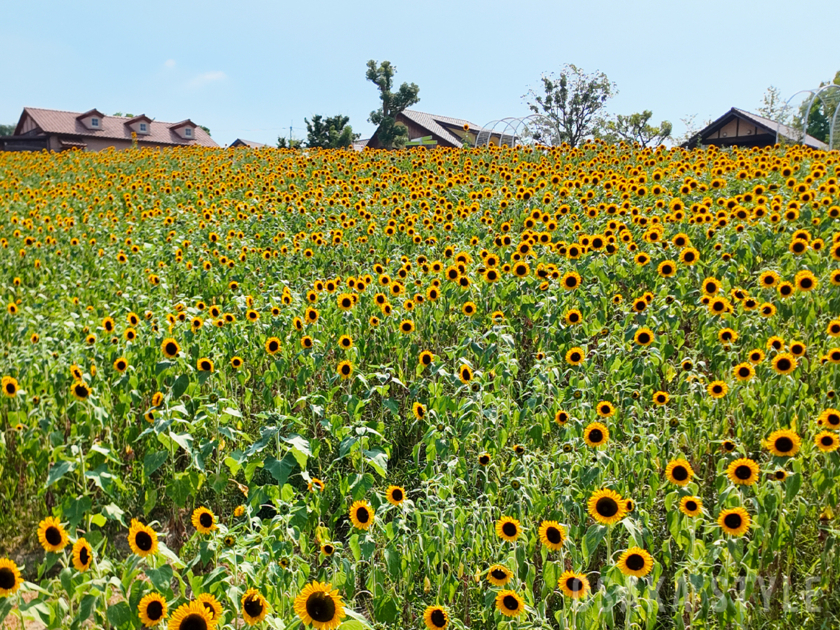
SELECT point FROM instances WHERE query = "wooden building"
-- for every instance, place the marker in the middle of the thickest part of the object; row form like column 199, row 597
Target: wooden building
column 744, row 129
column 249, row 144
column 431, row 130
column 56, row 130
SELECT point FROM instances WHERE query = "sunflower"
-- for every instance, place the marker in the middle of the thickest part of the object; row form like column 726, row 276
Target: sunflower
column 717, row 389
column 679, row 472
column 570, row 281
column 10, row 578
column 152, row 609
column 237, row 362
column 826, row 441
column 644, row 336
column 170, row 348
column 667, row 268
column 10, row 386
column 142, row 539
column 768, row 279
column 484, row 459
column 80, row 390
column 596, row 434
column 636, row 562
column 508, row 528
column 213, row 605
column 465, row 374
column 345, row 342
column 756, row 356
column 191, row 616
column 362, row 515
column 830, row 418
column 121, row 365
column 82, row 555
column 575, row 356
column 499, row 575
column 436, row 617
column 743, row 372
column 691, row 506
column 805, row 280
column 742, row 471
column 469, row 309
column 552, row 535
column 784, row 363
column 562, row 417
column 573, row 317
column 272, row 345
column 509, row 603
column 407, row 326
column 203, row 520
column 418, row 410
column 574, row 585
column 320, row 606
column 395, row 495
column 51, row 535
column 344, row 369
column 661, row 398
column 204, row 365
column 426, row 358
column 606, row 506
column 833, row 329
column 734, row 521
column 689, row 256
column 254, row 607
column 605, row 409
column 783, row 443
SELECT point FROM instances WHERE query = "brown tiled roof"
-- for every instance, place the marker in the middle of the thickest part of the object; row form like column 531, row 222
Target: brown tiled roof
column 770, row 126
column 432, row 122
column 53, row 121
column 239, row 142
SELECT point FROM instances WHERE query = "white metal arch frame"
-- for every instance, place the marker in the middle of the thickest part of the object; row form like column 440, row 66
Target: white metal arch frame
column 510, row 126
column 815, row 94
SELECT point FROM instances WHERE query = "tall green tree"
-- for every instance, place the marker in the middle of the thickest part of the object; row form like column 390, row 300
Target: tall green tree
column 390, row 134
column 636, row 129
column 571, row 103
column 821, row 112
column 7, row 130
column 288, row 143
column 332, row 132
column 773, row 105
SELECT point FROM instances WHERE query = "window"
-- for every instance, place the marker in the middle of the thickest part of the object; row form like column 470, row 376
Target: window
column 188, row 132
column 94, row 122
column 143, row 127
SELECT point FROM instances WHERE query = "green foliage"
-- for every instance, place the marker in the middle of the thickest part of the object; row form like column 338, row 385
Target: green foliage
column 7, row 130
column 390, row 133
column 636, row 129
column 283, row 143
column 572, row 103
column 333, row 132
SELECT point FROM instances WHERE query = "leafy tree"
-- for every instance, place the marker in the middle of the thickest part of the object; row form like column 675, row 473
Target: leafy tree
column 773, row 105
column 571, row 104
column 332, row 132
column 207, row 129
column 126, row 115
column 390, row 133
column 7, row 130
column 636, row 128
column 283, row 143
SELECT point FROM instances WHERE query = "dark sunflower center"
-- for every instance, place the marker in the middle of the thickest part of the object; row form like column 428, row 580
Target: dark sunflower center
column 596, row 435
column 143, row 541
column 171, row 348
column 605, row 409
column 680, row 473
column 606, row 507
column 666, row 269
column 509, row 529
column 84, row 556
column 833, row 419
column 744, row 372
column 53, row 536
column 498, row 574
column 328, row 549
column 510, row 602
column 635, row 562
column 717, row 389
column 397, row 495
column 784, row 444
column 320, row 607
column 805, row 283
column 781, row 474
column 732, row 521
column 484, row 459
column 272, row 346
column 689, row 256
column 193, row 621
column 644, row 338
column 553, row 535
column 438, row 618
column 743, row 472
column 7, row 578
column 154, row 610
column 362, row 515
column 827, row 440
column 345, row 369
column 10, row 388
column 205, row 519
column 81, row 391
column 574, row 584
column 253, row 606
column 575, row 357
column 691, row 506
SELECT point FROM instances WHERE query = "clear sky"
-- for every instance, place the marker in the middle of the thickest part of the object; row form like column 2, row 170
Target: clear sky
column 251, row 69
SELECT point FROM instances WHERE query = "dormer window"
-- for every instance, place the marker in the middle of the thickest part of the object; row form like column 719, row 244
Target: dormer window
column 188, row 132
column 94, row 122
column 144, row 128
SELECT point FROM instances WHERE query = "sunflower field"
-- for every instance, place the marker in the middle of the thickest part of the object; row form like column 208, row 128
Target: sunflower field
column 510, row 387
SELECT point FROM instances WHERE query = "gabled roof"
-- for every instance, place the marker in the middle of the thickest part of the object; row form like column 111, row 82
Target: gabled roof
column 239, row 142
column 140, row 118
column 90, row 112
column 183, row 123
column 440, row 125
column 768, row 125
column 53, row 121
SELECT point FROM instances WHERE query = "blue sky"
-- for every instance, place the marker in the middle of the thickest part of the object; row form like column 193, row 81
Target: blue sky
column 251, row 69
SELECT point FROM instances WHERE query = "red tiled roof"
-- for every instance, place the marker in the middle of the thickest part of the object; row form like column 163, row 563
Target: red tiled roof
column 53, row 121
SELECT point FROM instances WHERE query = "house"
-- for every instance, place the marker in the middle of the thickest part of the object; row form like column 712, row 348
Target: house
column 738, row 127
column 432, row 130
column 56, row 130
column 249, row 144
